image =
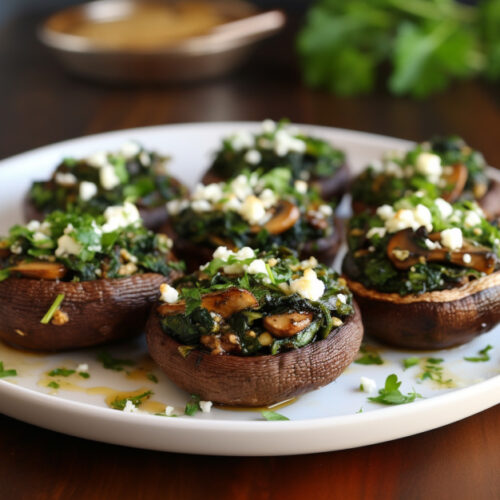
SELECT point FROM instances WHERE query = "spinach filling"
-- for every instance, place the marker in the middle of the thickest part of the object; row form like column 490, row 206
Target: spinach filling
column 374, row 187
column 244, row 331
column 318, row 159
column 95, row 250
column 367, row 261
column 141, row 178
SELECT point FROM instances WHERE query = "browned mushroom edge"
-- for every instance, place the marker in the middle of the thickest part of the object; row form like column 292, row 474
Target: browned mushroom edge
column 432, row 320
column 97, row 311
column 256, row 380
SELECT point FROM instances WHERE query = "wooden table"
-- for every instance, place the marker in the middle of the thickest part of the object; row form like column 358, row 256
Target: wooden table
column 40, row 104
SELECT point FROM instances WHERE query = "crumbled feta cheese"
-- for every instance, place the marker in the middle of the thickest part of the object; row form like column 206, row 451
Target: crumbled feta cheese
column 342, row 298
column 38, row 236
column 222, row 253
column 16, row 248
column 119, row 216
column 452, row 238
column 445, row 209
column 310, row 263
column 130, row 149
column 256, row 266
column 385, row 212
column 211, row 192
column 65, row 179
column 268, row 126
column 467, row 258
column 268, row 198
column 33, row 225
column 175, row 207
column 87, row 190
column 325, row 210
column 168, row 294
column 130, row 407
column 367, row 384
column 242, row 140
column 410, row 218
column 169, row 410
column 253, row 157
column 108, row 178
column 308, row 286
column 66, row 245
column 471, row 219
column 285, row 143
column 301, row 186
column 378, row 231
column 201, row 206
column 206, row 406
column 240, row 186
column 432, row 245
column 429, row 165
column 160, row 168
column 82, row 367
column 98, row 160
column 245, row 253
column 252, row 210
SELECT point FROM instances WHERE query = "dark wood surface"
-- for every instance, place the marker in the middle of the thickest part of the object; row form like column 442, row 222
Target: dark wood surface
column 40, row 104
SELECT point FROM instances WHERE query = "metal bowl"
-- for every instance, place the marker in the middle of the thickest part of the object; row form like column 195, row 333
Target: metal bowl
column 211, row 54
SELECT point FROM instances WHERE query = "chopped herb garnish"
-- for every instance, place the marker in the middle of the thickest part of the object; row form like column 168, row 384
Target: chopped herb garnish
column 119, row 404
column 52, row 309
column 409, row 362
column 185, row 350
column 433, row 371
column 6, row 373
column 61, row 372
column 272, row 415
column 193, row 405
column 53, row 385
column 391, row 395
column 84, row 374
column 370, row 357
column 111, row 363
column 152, row 377
column 193, row 299
column 483, row 355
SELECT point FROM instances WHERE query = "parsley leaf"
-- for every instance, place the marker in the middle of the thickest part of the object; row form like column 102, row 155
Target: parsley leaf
column 193, row 299
column 152, row 377
column 391, row 395
column 84, row 374
column 111, row 363
column 483, row 355
column 370, row 357
column 61, row 372
column 272, row 415
column 409, row 362
column 53, row 385
column 6, row 373
column 119, row 404
column 193, row 405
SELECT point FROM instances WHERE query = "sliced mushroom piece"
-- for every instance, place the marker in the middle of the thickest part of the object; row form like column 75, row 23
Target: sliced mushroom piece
column 226, row 303
column 286, row 215
column 457, row 178
column 287, row 324
column 40, row 270
column 404, row 252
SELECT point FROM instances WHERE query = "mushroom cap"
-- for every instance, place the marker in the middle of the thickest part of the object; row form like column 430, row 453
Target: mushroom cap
column 432, row 320
column 256, row 380
column 98, row 311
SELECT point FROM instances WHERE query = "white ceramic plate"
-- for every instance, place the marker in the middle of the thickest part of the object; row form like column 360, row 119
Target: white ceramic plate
column 323, row 420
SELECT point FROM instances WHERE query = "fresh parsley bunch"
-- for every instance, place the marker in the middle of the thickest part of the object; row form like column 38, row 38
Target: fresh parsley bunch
column 426, row 43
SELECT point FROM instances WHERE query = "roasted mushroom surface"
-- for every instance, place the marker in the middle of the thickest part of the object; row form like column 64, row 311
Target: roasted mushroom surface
column 425, row 273
column 77, row 280
column 90, row 185
column 443, row 167
column 281, row 145
column 254, row 329
column 256, row 209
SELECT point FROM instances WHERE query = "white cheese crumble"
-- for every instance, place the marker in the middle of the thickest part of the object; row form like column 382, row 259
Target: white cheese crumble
column 410, row 218
column 429, row 165
column 66, row 245
column 445, row 209
column 376, row 231
column 301, row 186
column 120, row 216
column 241, row 140
column 130, row 149
column 253, row 157
column 206, row 406
column 33, row 225
column 65, row 179
column 325, row 210
column 82, row 367
column 252, row 210
column 385, row 212
column 98, row 160
column 256, row 266
column 168, row 294
column 308, row 286
column 367, row 384
column 175, row 207
column 471, row 219
column 467, row 258
column 432, row 245
column 268, row 126
column 87, row 190
column 169, row 410
column 452, row 238
column 130, row 407
column 108, row 178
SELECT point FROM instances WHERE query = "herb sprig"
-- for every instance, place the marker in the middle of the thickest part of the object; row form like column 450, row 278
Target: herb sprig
column 482, row 355
column 391, row 395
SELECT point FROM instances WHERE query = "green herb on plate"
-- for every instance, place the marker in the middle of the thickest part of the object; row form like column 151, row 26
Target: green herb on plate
column 391, row 395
